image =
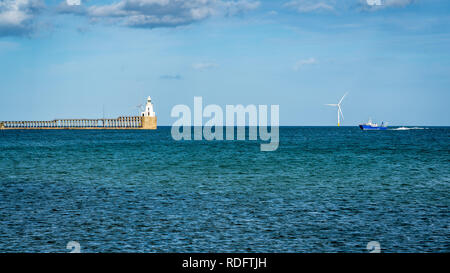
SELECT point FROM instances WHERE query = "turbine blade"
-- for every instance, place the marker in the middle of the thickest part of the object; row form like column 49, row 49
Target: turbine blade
column 340, row 111
column 331, row 104
column 343, row 97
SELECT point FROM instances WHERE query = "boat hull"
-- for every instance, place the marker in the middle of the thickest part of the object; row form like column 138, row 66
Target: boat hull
column 374, row 128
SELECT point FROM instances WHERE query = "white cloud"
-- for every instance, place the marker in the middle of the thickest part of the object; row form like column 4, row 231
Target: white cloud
column 307, row 6
column 298, row 65
column 204, row 66
column 170, row 77
column 73, row 2
column 16, row 16
column 380, row 4
column 164, row 13
column 304, row 6
column 400, row 3
column 374, row 2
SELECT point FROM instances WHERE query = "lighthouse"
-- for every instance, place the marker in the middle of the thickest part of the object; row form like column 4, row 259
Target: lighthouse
column 148, row 116
column 148, row 108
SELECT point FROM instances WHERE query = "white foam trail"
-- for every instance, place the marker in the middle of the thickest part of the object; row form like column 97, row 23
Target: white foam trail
column 408, row 128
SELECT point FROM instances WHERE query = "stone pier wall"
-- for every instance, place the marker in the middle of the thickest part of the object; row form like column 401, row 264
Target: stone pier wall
column 149, row 123
column 133, row 122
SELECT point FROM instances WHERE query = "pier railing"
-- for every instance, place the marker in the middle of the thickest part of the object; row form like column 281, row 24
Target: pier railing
column 119, row 123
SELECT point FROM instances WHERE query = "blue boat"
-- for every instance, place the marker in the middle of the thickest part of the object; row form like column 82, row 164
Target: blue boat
column 372, row 126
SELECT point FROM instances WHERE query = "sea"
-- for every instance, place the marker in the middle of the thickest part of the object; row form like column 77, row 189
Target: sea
column 325, row 189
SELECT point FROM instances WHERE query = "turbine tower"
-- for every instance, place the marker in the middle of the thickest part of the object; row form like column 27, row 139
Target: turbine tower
column 339, row 111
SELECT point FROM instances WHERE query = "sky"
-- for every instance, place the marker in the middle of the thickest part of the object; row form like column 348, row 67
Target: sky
column 89, row 59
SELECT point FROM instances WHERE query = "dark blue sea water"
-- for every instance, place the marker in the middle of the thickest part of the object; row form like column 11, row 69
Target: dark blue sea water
column 324, row 190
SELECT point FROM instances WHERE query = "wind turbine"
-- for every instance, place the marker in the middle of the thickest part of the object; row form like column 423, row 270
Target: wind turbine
column 339, row 111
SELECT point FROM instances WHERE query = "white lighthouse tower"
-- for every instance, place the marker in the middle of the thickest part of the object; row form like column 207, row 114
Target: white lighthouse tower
column 148, row 117
column 148, row 112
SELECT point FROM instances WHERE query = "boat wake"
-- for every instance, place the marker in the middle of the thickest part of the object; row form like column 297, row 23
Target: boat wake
column 408, row 128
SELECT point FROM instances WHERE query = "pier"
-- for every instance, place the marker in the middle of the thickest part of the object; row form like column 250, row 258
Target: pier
column 146, row 121
column 135, row 122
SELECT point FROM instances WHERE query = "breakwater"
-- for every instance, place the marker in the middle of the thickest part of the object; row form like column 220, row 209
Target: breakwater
column 131, row 122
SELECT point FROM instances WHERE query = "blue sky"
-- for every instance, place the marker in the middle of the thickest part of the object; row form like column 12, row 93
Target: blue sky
column 64, row 61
